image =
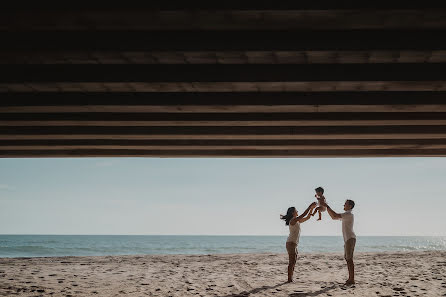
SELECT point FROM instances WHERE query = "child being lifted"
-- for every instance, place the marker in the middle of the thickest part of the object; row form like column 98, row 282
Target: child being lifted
column 320, row 198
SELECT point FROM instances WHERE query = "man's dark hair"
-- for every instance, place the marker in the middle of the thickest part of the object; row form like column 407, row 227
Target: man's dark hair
column 351, row 202
column 319, row 189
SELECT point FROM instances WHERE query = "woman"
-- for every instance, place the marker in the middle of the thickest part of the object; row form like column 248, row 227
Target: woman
column 293, row 220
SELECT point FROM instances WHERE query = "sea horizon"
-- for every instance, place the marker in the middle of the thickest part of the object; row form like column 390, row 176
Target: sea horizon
column 53, row 245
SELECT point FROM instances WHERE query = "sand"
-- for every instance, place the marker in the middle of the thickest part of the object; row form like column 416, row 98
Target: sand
column 378, row 274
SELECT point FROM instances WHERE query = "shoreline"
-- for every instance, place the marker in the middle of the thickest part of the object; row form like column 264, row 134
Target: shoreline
column 228, row 254
column 417, row 273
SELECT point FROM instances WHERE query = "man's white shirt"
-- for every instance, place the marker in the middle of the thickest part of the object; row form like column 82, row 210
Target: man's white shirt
column 347, row 219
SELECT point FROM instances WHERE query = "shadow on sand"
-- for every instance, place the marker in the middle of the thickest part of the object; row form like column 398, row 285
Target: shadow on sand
column 315, row 293
column 297, row 294
column 256, row 290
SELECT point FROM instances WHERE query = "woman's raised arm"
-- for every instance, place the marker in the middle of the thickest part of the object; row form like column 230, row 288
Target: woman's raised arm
column 302, row 216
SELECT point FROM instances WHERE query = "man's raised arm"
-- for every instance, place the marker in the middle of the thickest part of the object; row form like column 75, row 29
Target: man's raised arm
column 334, row 215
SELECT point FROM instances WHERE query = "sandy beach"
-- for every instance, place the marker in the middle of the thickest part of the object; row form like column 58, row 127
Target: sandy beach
column 378, row 274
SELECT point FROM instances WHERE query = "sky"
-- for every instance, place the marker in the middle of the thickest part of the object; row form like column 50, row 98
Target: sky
column 205, row 196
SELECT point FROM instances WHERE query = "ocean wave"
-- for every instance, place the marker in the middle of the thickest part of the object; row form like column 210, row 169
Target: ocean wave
column 25, row 248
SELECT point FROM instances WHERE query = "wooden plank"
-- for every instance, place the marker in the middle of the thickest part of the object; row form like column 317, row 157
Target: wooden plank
column 224, row 87
column 223, row 137
column 183, row 41
column 223, row 57
column 249, row 102
column 127, row 19
column 222, row 73
column 222, row 133
column 223, row 153
column 225, row 144
column 233, row 98
column 222, row 119
column 222, row 5
column 222, row 147
column 143, row 19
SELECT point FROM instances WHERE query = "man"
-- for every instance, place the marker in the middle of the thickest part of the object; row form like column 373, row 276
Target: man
column 347, row 219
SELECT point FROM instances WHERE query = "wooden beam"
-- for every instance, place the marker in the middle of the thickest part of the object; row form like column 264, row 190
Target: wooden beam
column 146, row 19
column 222, row 73
column 247, row 102
column 125, row 146
column 183, row 41
column 225, row 87
column 223, row 153
column 223, row 119
column 222, row 133
column 224, row 5
column 189, row 144
column 223, row 57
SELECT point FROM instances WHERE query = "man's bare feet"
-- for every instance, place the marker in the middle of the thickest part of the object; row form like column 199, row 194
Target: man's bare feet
column 290, row 281
column 319, row 219
column 349, row 282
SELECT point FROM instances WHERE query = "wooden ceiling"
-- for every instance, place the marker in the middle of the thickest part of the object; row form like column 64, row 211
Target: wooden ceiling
column 223, row 79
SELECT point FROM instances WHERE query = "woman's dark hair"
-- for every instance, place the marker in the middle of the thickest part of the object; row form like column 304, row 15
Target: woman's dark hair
column 289, row 215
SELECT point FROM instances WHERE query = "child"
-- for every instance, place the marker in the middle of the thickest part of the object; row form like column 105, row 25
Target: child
column 320, row 198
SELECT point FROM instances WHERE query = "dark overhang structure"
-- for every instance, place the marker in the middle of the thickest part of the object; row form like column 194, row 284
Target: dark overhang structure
column 223, row 79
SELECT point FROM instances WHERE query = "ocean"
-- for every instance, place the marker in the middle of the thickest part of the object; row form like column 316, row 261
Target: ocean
column 101, row 245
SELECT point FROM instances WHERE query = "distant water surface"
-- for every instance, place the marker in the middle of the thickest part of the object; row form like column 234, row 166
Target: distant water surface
column 101, row 245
